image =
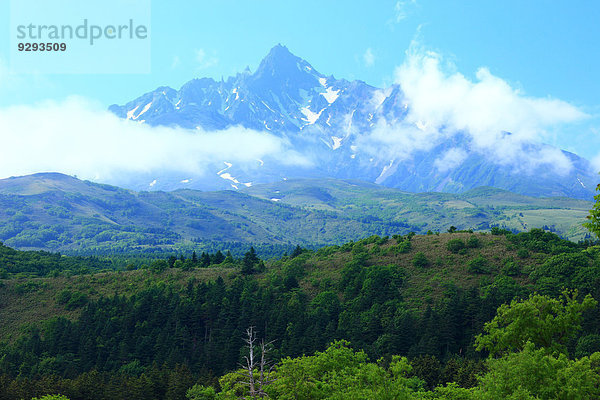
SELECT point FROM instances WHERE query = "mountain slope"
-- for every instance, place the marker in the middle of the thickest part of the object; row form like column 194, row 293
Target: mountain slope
column 332, row 121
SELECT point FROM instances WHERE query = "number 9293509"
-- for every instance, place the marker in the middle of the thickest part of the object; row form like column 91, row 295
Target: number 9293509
column 42, row 46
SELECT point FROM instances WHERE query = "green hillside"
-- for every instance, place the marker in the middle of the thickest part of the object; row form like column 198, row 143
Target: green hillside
column 60, row 213
column 174, row 322
column 479, row 209
column 431, row 265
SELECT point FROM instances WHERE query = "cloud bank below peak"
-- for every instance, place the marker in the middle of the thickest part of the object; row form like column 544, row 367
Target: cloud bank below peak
column 78, row 137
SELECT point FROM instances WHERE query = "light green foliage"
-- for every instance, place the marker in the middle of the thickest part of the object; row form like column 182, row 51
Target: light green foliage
column 199, row 392
column 231, row 387
column 535, row 374
column 593, row 224
column 51, row 397
column 341, row 373
column 541, row 320
column 451, row 392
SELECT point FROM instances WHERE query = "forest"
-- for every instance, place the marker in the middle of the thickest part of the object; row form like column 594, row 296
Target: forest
column 457, row 315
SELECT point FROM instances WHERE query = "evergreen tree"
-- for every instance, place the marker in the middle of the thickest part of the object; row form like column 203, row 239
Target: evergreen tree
column 218, row 258
column 204, row 260
column 297, row 251
column 249, row 261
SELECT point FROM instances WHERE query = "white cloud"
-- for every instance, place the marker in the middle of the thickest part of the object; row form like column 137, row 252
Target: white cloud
column 443, row 103
column 596, row 162
column 450, row 159
column 79, row 138
column 401, row 9
column 393, row 140
column 369, row 58
column 205, row 60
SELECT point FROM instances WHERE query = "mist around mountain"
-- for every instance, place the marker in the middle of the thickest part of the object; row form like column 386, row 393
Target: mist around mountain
column 343, row 129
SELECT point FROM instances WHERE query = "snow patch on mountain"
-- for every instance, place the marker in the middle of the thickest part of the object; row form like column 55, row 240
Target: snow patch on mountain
column 228, row 176
column 146, row 108
column 270, row 109
column 132, row 112
column 337, row 142
column 331, row 95
column 385, row 172
column 311, row 117
column 228, row 165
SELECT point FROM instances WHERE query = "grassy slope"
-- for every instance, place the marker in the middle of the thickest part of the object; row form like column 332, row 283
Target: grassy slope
column 20, row 310
column 323, row 268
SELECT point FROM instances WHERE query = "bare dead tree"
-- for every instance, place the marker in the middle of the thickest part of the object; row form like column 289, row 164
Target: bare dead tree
column 254, row 366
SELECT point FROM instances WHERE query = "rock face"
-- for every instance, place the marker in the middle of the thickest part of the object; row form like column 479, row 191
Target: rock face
column 329, row 119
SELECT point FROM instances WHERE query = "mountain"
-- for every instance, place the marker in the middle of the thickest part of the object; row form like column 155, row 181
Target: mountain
column 328, row 119
column 50, row 211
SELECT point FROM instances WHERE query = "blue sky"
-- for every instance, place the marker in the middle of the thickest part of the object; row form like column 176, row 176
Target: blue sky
column 546, row 48
column 543, row 49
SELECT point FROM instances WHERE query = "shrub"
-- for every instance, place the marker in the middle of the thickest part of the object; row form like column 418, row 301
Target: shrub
column 77, row 300
column 71, row 300
column 402, row 247
column 499, row 231
column 455, row 245
column 511, row 268
column 383, row 240
column 420, row 260
column 358, row 248
column 523, row 253
column 478, row 265
column 473, row 242
column 63, row 296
